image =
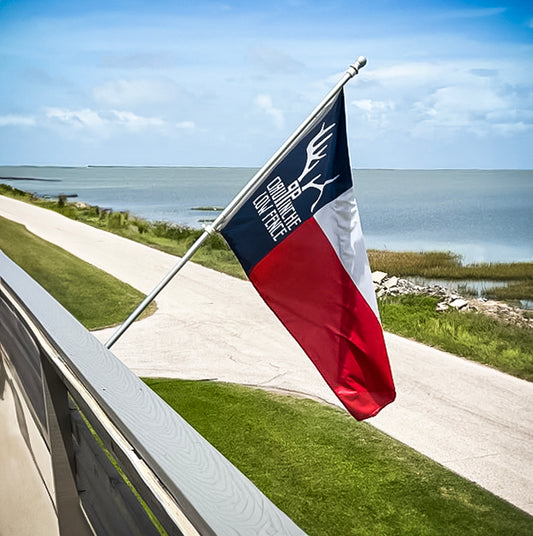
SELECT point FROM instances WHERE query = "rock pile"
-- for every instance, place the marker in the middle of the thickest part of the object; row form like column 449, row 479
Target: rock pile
column 386, row 285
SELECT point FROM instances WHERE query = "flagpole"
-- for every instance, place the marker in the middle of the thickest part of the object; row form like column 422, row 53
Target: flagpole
column 239, row 200
column 242, row 196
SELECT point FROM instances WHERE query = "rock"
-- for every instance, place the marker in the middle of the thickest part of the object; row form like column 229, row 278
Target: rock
column 458, row 303
column 391, row 282
column 378, row 277
column 394, row 286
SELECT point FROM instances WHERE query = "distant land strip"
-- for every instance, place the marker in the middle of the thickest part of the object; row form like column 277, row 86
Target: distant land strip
column 28, row 179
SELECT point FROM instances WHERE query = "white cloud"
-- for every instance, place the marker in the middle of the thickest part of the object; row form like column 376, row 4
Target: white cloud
column 264, row 102
column 447, row 98
column 375, row 111
column 127, row 93
column 186, row 125
column 410, row 74
column 133, row 121
column 102, row 122
column 477, row 106
column 76, row 118
column 473, row 13
column 16, row 120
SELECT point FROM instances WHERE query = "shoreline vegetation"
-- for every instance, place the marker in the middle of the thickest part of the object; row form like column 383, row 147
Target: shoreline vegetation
column 176, row 239
column 501, row 345
column 100, row 300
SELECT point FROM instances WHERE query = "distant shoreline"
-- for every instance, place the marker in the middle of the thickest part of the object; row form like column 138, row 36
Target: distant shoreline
column 419, row 210
column 28, row 179
column 516, row 277
column 153, row 166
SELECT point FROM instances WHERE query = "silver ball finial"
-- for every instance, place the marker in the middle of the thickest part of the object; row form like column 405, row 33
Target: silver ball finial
column 354, row 67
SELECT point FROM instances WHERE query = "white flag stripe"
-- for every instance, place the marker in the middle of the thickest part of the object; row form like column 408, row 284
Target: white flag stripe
column 339, row 220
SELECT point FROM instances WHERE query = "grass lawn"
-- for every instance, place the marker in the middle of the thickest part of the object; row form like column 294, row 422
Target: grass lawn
column 333, row 475
column 477, row 337
column 94, row 297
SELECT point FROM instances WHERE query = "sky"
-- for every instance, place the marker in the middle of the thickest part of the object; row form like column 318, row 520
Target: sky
column 224, row 83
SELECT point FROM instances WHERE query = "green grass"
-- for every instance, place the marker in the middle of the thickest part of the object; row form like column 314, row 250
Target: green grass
column 333, row 475
column 94, row 297
column 506, row 347
column 168, row 237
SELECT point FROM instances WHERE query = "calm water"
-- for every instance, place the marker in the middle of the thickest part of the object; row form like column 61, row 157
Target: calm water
column 481, row 215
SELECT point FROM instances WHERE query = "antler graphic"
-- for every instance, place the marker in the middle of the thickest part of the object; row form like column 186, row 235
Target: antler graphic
column 316, row 150
column 319, row 187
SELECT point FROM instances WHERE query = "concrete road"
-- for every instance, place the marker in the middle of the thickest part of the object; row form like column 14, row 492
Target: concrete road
column 472, row 419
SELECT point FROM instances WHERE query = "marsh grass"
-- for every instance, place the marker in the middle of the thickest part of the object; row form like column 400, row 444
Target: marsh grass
column 522, row 290
column 333, row 475
column 94, row 297
column 445, row 265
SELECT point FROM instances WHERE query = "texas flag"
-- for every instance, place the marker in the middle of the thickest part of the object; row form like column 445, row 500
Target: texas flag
column 298, row 237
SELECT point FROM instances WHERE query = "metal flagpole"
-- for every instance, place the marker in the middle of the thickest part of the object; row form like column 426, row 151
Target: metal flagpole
column 239, row 200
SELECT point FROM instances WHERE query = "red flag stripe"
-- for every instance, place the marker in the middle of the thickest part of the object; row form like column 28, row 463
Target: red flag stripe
column 306, row 286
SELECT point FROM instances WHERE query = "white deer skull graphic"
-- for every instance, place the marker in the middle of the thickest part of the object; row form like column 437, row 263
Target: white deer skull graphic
column 316, row 151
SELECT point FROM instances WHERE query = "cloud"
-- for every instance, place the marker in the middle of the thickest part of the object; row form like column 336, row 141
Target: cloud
column 128, row 93
column 76, row 118
column 410, row 74
column 478, row 106
column 274, row 61
column 11, row 120
column 484, row 73
column 474, row 13
column 102, row 122
column 131, row 120
column 264, row 103
column 186, row 125
column 375, row 111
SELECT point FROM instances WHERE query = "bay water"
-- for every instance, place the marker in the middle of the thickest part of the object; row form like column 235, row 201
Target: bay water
column 482, row 215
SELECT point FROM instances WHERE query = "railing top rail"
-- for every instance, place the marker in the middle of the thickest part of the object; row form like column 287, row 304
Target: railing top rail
column 214, row 496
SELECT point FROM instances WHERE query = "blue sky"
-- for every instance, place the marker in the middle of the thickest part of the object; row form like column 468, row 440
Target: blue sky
column 216, row 83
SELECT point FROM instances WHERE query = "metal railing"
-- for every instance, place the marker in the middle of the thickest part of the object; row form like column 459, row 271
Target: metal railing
column 122, row 460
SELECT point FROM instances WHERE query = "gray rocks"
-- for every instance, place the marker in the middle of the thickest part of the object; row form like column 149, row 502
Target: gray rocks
column 458, row 303
column 378, row 277
column 386, row 285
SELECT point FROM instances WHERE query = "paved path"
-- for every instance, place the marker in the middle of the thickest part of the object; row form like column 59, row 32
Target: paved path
column 470, row 418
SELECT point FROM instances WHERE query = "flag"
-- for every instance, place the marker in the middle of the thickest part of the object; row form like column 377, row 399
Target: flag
column 298, row 237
